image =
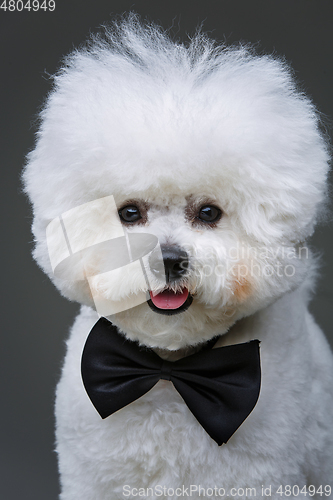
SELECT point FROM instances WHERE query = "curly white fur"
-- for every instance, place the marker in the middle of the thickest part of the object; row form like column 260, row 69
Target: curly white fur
column 143, row 118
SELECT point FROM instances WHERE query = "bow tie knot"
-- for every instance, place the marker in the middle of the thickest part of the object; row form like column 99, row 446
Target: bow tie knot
column 166, row 370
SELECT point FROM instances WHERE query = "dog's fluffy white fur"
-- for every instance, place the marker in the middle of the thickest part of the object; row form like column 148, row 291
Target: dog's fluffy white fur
column 171, row 127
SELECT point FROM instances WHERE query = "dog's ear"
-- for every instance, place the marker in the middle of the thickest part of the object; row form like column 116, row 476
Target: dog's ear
column 276, row 154
column 282, row 192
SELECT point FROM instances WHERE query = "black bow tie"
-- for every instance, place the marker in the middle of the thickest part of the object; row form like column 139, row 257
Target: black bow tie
column 220, row 386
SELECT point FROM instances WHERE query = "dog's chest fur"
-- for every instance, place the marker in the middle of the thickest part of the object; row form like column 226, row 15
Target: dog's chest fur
column 157, row 441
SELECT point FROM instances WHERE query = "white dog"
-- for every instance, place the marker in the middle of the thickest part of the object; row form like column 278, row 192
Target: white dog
column 214, row 157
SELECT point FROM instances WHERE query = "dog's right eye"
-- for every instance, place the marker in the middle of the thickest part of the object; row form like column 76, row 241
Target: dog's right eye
column 131, row 213
column 209, row 214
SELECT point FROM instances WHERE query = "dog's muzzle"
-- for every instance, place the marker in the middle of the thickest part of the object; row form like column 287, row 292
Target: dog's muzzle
column 176, row 263
column 173, row 269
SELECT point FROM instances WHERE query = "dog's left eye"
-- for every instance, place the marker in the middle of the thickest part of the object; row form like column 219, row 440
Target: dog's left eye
column 209, row 213
column 131, row 213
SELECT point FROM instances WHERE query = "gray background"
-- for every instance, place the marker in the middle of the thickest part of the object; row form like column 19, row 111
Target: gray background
column 35, row 319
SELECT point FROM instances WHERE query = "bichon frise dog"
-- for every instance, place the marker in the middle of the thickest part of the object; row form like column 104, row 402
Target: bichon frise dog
column 173, row 190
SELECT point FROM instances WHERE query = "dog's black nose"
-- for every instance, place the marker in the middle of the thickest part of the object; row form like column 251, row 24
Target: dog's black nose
column 175, row 263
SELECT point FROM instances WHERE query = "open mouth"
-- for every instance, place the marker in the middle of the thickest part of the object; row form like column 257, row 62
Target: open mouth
column 169, row 302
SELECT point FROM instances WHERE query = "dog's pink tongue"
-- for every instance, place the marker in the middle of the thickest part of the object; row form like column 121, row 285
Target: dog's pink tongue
column 169, row 299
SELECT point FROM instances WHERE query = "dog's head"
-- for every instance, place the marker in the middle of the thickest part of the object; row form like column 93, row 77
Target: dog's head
column 210, row 154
